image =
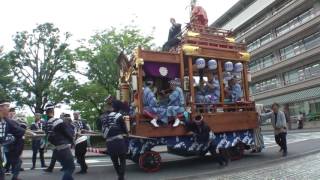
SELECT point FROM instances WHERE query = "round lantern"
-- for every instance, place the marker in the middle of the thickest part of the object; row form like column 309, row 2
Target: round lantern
column 201, row 63
column 228, row 66
column 238, row 67
column 212, row 64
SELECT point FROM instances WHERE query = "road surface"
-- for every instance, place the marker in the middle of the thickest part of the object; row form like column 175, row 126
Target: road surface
column 176, row 167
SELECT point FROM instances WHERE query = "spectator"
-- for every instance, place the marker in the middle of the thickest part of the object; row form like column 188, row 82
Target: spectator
column 279, row 123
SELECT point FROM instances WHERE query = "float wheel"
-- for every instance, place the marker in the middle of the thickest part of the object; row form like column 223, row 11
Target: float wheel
column 150, row 161
column 236, row 152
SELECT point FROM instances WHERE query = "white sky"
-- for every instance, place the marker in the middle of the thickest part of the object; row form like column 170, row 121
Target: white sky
column 83, row 17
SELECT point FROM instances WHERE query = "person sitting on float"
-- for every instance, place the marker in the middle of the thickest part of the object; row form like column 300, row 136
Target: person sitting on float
column 234, row 90
column 212, row 90
column 151, row 105
column 176, row 101
column 200, row 91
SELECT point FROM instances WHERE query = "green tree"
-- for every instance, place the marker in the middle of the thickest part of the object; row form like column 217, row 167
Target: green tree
column 41, row 61
column 6, row 81
column 101, row 53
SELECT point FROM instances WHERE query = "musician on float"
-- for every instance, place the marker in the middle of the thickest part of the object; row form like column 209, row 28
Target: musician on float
column 212, row 89
column 151, row 105
column 176, row 101
column 234, row 90
column 200, row 91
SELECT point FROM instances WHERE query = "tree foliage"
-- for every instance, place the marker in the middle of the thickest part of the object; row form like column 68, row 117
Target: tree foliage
column 6, row 79
column 41, row 61
column 101, row 53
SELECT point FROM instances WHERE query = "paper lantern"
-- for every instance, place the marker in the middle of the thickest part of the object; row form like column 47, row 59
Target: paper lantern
column 238, row 67
column 201, row 63
column 212, row 64
column 228, row 66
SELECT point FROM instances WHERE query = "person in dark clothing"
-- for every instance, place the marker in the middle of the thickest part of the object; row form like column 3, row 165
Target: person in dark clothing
column 202, row 134
column 81, row 142
column 173, row 39
column 114, row 131
column 124, row 108
column 38, row 142
column 11, row 134
column 61, row 137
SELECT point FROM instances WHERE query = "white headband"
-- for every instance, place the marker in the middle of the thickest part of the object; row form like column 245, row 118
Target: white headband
column 5, row 103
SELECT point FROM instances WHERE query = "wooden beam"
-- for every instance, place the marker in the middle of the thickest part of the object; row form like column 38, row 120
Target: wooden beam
column 231, row 121
column 220, row 76
column 245, row 82
column 182, row 70
column 192, row 98
column 164, row 57
column 140, row 86
column 147, row 130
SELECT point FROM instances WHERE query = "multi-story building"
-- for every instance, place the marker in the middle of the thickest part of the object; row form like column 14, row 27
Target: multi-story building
column 283, row 38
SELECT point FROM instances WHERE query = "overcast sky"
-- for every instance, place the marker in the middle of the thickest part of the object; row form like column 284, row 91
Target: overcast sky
column 83, row 17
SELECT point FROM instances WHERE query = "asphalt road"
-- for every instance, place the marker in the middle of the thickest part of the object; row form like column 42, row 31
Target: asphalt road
column 175, row 167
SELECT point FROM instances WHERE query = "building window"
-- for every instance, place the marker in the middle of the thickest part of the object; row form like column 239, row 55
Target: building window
column 265, row 85
column 267, row 61
column 312, row 41
column 302, row 73
column 265, row 39
column 295, row 22
column 300, row 46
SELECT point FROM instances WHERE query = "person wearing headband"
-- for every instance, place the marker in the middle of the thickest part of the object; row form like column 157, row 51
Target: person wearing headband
column 203, row 138
column 61, row 137
column 37, row 142
column 176, row 101
column 11, row 134
column 234, row 90
column 81, row 146
column 151, row 105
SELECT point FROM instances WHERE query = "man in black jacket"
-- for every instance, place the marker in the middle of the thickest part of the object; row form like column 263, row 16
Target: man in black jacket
column 61, row 138
column 202, row 133
column 10, row 134
column 114, row 130
column 173, row 39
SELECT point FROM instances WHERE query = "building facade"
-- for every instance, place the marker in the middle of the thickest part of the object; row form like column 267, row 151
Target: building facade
column 283, row 38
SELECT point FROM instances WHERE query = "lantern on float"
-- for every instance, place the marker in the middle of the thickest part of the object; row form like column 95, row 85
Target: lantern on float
column 228, row 66
column 238, row 67
column 212, row 64
column 201, row 63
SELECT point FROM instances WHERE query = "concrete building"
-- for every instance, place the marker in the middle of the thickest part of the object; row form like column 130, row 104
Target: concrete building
column 283, row 38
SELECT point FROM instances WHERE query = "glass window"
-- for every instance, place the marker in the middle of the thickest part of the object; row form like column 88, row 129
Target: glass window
column 312, row 41
column 306, row 16
column 267, row 84
column 265, row 39
column 315, row 69
column 268, row 60
column 294, row 23
column 287, row 52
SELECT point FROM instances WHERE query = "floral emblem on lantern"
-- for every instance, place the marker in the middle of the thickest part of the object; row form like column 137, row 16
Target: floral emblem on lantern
column 163, row 71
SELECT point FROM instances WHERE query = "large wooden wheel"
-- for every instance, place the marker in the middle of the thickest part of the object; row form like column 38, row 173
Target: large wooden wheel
column 150, row 161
